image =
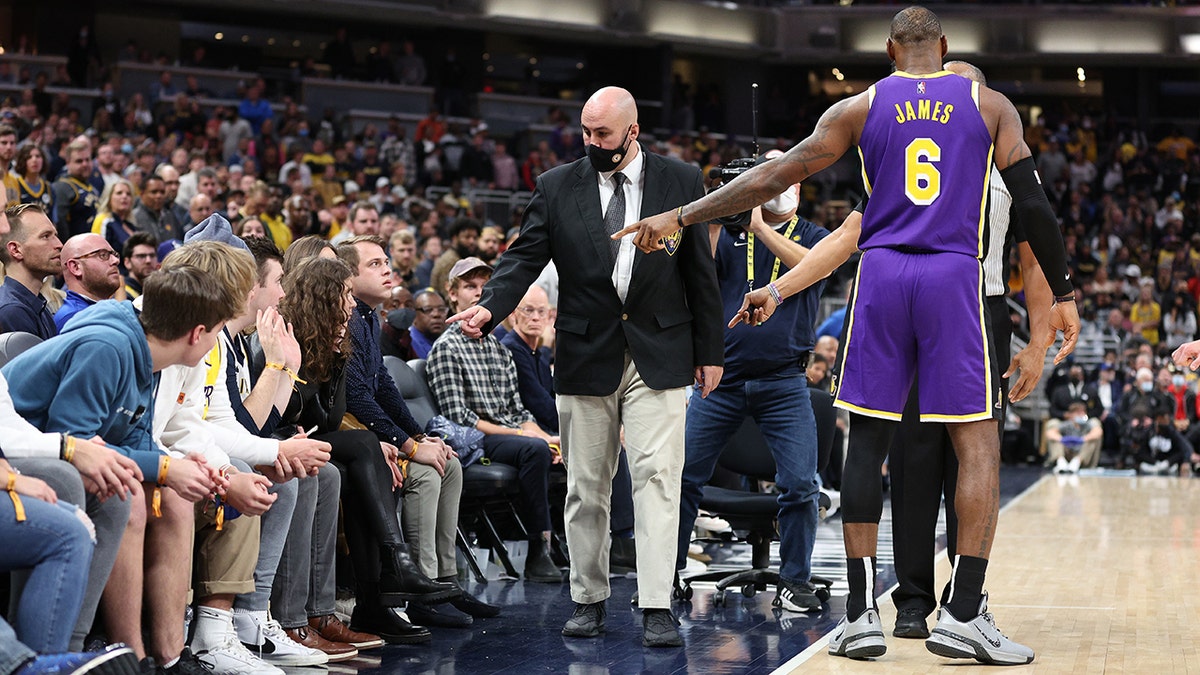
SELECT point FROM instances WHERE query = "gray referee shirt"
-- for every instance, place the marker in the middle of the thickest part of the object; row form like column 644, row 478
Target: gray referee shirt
column 999, row 205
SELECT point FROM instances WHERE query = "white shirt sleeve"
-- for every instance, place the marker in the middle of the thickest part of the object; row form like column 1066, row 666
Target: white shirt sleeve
column 19, row 438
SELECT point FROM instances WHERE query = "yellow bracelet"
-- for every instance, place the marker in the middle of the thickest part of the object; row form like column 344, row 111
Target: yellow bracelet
column 18, row 507
column 156, row 500
column 68, row 449
column 286, row 371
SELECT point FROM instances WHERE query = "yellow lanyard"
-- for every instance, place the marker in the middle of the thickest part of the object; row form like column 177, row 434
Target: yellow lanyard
column 750, row 254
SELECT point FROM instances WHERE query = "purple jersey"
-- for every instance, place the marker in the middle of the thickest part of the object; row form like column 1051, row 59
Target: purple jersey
column 926, row 156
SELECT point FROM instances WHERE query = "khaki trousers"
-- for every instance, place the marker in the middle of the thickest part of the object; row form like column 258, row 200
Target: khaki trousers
column 591, row 444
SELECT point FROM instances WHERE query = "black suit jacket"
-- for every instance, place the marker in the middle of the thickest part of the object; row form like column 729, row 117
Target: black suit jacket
column 671, row 320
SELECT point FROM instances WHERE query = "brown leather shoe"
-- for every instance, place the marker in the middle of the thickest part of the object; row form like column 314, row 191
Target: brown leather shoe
column 334, row 630
column 337, row 651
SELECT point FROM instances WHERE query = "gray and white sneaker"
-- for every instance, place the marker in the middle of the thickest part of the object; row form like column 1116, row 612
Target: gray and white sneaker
column 796, row 597
column 859, row 639
column 229, row 656
column 977, row 639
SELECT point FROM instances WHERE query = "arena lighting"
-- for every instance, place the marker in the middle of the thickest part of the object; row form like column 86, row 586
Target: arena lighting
column 219, row 36
column 1080, row 74
column 1190, row 43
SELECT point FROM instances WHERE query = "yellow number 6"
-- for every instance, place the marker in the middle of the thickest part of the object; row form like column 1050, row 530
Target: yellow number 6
column 922, row 180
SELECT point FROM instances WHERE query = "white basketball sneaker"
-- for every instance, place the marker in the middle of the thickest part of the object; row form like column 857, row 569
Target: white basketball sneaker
column 859, row 639
column 977, row 639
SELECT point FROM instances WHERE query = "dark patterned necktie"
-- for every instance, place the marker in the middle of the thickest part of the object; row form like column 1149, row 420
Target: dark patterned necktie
column 614, row 218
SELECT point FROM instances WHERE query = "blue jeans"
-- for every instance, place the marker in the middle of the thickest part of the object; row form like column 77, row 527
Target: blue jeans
column 56, row 547
column 781, row 406
column 13, row 654
column 275, row 524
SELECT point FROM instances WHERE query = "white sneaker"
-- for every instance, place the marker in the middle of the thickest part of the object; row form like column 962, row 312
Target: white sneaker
column 859, row 639
column 268, row 641
column 835, row 502
column 230, row 657
column 1061, row 465
column 713, row 524
column 977, row 639
column 1074, row 464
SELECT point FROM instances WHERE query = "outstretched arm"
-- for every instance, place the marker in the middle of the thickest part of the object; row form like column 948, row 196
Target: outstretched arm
column 836, row 131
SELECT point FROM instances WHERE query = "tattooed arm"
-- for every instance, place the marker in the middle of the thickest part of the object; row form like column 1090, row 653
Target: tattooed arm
column 835, row 133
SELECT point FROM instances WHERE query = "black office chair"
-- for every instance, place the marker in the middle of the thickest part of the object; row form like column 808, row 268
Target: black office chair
column 12, row 344
column 484, row 485
column 755, row 513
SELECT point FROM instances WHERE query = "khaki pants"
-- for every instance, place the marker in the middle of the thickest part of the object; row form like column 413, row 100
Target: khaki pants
column 225, row 559
column 591, row 444
column 430, row 517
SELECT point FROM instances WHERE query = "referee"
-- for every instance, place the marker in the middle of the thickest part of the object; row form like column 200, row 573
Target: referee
column 922, row 462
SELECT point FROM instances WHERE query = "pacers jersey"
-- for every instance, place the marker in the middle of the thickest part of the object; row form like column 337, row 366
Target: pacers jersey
column 926, row 157
column 81, row 208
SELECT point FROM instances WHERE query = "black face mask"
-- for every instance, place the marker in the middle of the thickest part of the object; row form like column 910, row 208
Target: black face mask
column 603, row 160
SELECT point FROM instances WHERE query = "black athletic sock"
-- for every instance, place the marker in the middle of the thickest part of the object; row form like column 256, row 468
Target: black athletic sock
column 966, row 590
column 860, row 573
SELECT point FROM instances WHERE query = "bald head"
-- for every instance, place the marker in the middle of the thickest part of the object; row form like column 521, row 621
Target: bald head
column 966, row 70
column 90, row 266
column 915, row 25
column 609, row 122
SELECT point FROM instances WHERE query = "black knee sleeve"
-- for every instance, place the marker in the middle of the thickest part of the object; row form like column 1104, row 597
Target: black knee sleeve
column 862, row 484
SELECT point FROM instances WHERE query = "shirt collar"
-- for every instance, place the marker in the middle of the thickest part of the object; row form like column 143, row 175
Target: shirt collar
column 632, row 171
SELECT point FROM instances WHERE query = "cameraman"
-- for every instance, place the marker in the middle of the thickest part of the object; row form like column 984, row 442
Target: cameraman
column 1156, row 446
column 764, row 379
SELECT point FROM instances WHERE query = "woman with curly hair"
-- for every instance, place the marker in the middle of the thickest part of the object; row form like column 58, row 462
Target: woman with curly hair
column 318, row 303
column 114, row 219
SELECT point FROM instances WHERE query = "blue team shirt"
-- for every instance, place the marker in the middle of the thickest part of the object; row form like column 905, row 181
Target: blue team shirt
column 926, row 156
column 758, row 351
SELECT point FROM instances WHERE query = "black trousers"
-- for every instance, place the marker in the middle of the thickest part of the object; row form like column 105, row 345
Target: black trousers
column 923, row 467
column 531, row 458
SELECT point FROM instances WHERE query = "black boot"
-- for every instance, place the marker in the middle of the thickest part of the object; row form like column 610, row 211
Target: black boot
column 400, row 580
column 622, row 556
column 386, row 622
column 471, row 605
column 538, row 565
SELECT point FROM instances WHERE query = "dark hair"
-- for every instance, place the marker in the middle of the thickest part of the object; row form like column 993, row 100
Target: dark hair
column 23, row 155
column 463, row 224
column 264, row 250
column 312, row 303
column 915, row 25
column 138, row 239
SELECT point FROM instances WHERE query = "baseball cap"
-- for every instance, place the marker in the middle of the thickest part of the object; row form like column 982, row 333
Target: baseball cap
column 350, row 187
column 381, row 182
column 469, row 264
column 1133, row 271
column 338, row 200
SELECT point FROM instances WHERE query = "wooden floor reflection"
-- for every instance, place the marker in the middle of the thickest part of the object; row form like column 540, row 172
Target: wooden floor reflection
column 1098, row 574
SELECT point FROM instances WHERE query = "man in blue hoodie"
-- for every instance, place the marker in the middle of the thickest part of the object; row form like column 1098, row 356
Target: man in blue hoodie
column 97, row 378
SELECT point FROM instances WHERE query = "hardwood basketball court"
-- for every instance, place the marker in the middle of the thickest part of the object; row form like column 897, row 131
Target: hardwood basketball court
column 1098, row 574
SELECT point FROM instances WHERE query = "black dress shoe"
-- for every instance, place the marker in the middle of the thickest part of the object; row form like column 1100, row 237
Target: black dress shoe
column 588, row 620
column 388, row 623
column 440, row 617
column 473, row 606
column 910, row 623
column 622, row 556
column 538, row 565
column 659, row 629
column 400, row 580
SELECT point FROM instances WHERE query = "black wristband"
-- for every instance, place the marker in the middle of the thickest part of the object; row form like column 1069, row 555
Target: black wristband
column 679, row 218
column 1064, row 298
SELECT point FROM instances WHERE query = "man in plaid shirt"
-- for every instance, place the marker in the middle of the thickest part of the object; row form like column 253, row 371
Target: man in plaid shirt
column 475, row 384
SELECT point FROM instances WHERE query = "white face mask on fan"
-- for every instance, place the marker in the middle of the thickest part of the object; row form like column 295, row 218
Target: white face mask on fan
column 783, row 204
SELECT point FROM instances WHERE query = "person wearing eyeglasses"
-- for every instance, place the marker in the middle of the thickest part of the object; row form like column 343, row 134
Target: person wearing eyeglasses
column 91, row 273
column 29, row 249
column 429, row 322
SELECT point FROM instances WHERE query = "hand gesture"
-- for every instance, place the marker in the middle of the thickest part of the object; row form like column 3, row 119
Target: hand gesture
column 473, row 320
column 268, row 324
column 1030, row 360
column 190, row 479
column 1188, row 355
column 708, row 378
column 651, row 231
column 391, row 456
column 431, row 453
column 305, row 455
column 247, row 492
column 1064, row 316
column 106, row 471
column 757, row 307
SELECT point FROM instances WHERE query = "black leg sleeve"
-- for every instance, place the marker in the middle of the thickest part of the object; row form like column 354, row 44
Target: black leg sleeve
column 862, row 485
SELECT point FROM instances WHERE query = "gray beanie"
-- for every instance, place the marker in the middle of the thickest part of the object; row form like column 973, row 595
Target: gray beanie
column 215, row 228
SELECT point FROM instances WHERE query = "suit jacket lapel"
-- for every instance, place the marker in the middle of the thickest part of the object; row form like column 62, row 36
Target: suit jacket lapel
column 656, row 190
column 587, row 197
